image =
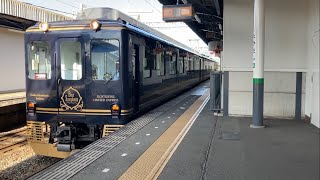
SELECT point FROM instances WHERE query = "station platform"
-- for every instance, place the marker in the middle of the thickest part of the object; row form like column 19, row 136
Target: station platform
column 12, row 98
column 12, row 110
column 183, row 139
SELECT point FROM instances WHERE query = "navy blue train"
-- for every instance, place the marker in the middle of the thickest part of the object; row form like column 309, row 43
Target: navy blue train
column 88, row 77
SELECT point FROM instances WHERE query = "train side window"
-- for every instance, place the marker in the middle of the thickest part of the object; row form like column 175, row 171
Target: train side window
column 173, row 64
column 71, row 63
column 167, row 59
column 186, row 64
column 105, row 59
column 133, row 61
column 157, row 62
column 202, row 64
column 39, row 61
column 162, row 65
column 196, row 64
column 180, row 65
column 190, row 64
column 147, row 62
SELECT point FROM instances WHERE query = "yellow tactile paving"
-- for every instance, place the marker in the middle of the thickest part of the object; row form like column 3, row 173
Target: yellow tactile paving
column 150, row 164
column 8, row 99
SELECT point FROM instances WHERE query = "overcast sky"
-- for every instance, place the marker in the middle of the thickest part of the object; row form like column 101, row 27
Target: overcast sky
column 147, row 10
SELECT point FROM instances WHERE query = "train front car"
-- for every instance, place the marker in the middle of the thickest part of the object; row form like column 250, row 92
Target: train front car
column 74, row 84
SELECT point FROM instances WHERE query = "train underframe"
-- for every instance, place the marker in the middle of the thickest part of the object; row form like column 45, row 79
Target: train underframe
column 63, row 139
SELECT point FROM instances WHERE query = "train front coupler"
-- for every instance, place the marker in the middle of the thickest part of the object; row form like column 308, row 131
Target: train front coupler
column 65, row 138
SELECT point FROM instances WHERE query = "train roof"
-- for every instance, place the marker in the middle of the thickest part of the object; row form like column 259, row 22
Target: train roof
column 106, row 13
column 118, row 18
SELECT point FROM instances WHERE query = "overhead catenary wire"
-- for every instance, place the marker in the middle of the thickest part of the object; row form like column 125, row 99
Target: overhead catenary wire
column 153, row 7
column 83, row 3
column 67, row 4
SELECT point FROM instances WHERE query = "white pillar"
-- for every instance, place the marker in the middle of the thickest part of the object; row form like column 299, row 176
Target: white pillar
column 258, row 64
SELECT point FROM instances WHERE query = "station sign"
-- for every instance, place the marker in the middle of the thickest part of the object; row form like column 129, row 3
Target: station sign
column 175, row 13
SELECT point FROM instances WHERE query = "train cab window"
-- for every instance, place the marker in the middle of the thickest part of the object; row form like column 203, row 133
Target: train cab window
column 147, row 62
column 71, row 63
column 105, row 60
column 39, row 60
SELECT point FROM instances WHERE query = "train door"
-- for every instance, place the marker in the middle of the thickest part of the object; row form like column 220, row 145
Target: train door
column 70, row 77
column 104, row 80
column 135, row 77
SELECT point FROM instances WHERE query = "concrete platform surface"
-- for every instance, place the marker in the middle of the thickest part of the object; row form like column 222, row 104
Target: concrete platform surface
column 226, row 148
column 11, row 98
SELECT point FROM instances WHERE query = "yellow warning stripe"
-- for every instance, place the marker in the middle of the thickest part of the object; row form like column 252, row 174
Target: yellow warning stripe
column 150, row 164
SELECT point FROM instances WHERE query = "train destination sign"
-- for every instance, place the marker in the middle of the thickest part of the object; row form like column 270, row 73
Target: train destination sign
column 173, row 13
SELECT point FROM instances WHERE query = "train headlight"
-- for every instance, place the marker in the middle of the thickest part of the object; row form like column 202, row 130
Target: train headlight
column 95, row 25
column 115, row 110
column 31, row 107
column 44, row 26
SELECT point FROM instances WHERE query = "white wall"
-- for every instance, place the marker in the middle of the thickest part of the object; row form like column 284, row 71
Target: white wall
column 279, row 97
column 312, row 89
column 286, row 52
column 12, row 69
column 286, row 45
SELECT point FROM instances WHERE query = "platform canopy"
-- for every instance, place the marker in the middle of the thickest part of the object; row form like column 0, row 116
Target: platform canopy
column 14, row 22
column 18, row 15
column 208, row 18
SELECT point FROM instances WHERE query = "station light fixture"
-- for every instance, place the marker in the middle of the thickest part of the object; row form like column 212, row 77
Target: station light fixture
column 95, row 25
column 44, row 26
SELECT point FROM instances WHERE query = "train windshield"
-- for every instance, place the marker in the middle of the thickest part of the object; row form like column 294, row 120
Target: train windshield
column 39, row 60
column 71, row 63
column 105, row 59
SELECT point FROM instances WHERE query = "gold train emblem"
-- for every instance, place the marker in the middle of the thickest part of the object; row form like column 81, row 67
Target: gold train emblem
column 71, row 100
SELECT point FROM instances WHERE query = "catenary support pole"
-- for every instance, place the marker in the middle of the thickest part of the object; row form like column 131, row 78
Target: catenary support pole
column 258, row 64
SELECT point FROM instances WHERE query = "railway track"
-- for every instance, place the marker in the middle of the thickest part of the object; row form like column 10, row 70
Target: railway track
column 13, row 141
